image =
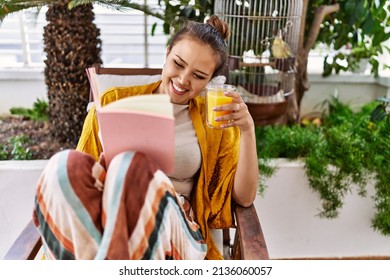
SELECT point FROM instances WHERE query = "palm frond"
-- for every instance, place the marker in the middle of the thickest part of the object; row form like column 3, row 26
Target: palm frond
column 10, row 6
column 123, row 5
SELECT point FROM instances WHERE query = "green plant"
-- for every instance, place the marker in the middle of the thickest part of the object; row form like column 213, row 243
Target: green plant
column 362, row 52
column 17, row 149
column 39, row 111
column 349, row 149
column 3, row 152
column 359, row 24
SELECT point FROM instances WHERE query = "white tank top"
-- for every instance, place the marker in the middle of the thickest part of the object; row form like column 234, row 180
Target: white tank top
column 187, row 152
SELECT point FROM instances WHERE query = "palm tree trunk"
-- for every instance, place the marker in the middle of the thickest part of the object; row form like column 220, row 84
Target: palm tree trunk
column 71, row 44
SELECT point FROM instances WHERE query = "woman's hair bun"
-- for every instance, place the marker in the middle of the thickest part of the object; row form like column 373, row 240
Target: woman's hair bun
column 219, row 25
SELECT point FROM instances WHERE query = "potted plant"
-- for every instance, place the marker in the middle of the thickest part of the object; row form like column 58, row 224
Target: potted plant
column 353, row 58
column 358, row 29
column 360, row 57
column 340, row 148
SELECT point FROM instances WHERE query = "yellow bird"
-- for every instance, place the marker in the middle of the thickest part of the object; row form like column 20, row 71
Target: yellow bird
column 280, row 49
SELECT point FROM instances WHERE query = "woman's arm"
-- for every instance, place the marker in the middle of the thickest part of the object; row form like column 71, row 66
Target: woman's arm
column 247, row 173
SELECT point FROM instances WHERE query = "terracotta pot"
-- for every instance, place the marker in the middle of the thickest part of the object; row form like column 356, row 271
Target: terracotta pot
column 267, row 113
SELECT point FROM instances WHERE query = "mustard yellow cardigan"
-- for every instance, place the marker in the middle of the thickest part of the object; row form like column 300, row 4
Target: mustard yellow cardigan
column 211, row 198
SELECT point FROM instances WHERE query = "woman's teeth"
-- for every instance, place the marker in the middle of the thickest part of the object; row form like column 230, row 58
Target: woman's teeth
column 178, row 88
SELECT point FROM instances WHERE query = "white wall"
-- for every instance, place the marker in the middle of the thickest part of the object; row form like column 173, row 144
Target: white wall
column 21, row 88
column 288, row 213
column 17, row 188
column 353, row 89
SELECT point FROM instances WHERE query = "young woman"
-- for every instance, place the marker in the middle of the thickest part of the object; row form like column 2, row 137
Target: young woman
column 132, row 210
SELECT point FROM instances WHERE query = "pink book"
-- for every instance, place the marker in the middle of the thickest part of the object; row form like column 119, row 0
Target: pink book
column 143, row 123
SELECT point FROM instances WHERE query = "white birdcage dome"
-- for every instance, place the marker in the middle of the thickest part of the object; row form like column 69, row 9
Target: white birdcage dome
column 262, row 47
column 256, row 23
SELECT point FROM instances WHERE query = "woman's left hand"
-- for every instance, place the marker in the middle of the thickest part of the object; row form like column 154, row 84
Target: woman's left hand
column 239, row 115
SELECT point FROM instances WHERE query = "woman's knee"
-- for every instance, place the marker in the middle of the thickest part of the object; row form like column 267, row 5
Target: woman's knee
column 71, row 168
column 137, row 159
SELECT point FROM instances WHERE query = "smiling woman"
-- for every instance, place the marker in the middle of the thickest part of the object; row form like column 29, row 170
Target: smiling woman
column 197, row 196
column 186, row 75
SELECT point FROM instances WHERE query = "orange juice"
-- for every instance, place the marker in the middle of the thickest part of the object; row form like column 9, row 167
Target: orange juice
column 216, row 97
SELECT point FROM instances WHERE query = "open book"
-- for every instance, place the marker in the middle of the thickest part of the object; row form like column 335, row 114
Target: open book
column 143, row 123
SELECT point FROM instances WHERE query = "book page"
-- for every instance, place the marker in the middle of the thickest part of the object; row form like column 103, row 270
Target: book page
column 150, row 103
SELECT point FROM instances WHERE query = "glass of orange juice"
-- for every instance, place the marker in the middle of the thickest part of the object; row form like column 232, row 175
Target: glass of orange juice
column 215, row 96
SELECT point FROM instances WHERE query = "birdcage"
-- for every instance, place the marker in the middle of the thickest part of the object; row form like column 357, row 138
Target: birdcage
column 262, row 50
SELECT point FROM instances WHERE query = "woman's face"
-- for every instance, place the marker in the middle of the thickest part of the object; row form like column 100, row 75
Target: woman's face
column 188, row 68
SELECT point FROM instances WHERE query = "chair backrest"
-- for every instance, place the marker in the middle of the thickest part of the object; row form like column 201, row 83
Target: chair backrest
column 120, row 77
column 111, row 77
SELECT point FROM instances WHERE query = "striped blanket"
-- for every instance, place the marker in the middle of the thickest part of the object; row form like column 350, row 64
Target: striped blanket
column 130, row 211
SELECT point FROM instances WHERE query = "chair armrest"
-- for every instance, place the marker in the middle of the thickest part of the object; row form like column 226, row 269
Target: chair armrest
column 26, row 245
column 249, row 241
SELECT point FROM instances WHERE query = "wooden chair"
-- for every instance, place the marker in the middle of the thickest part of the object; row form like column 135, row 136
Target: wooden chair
column 248, row 242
